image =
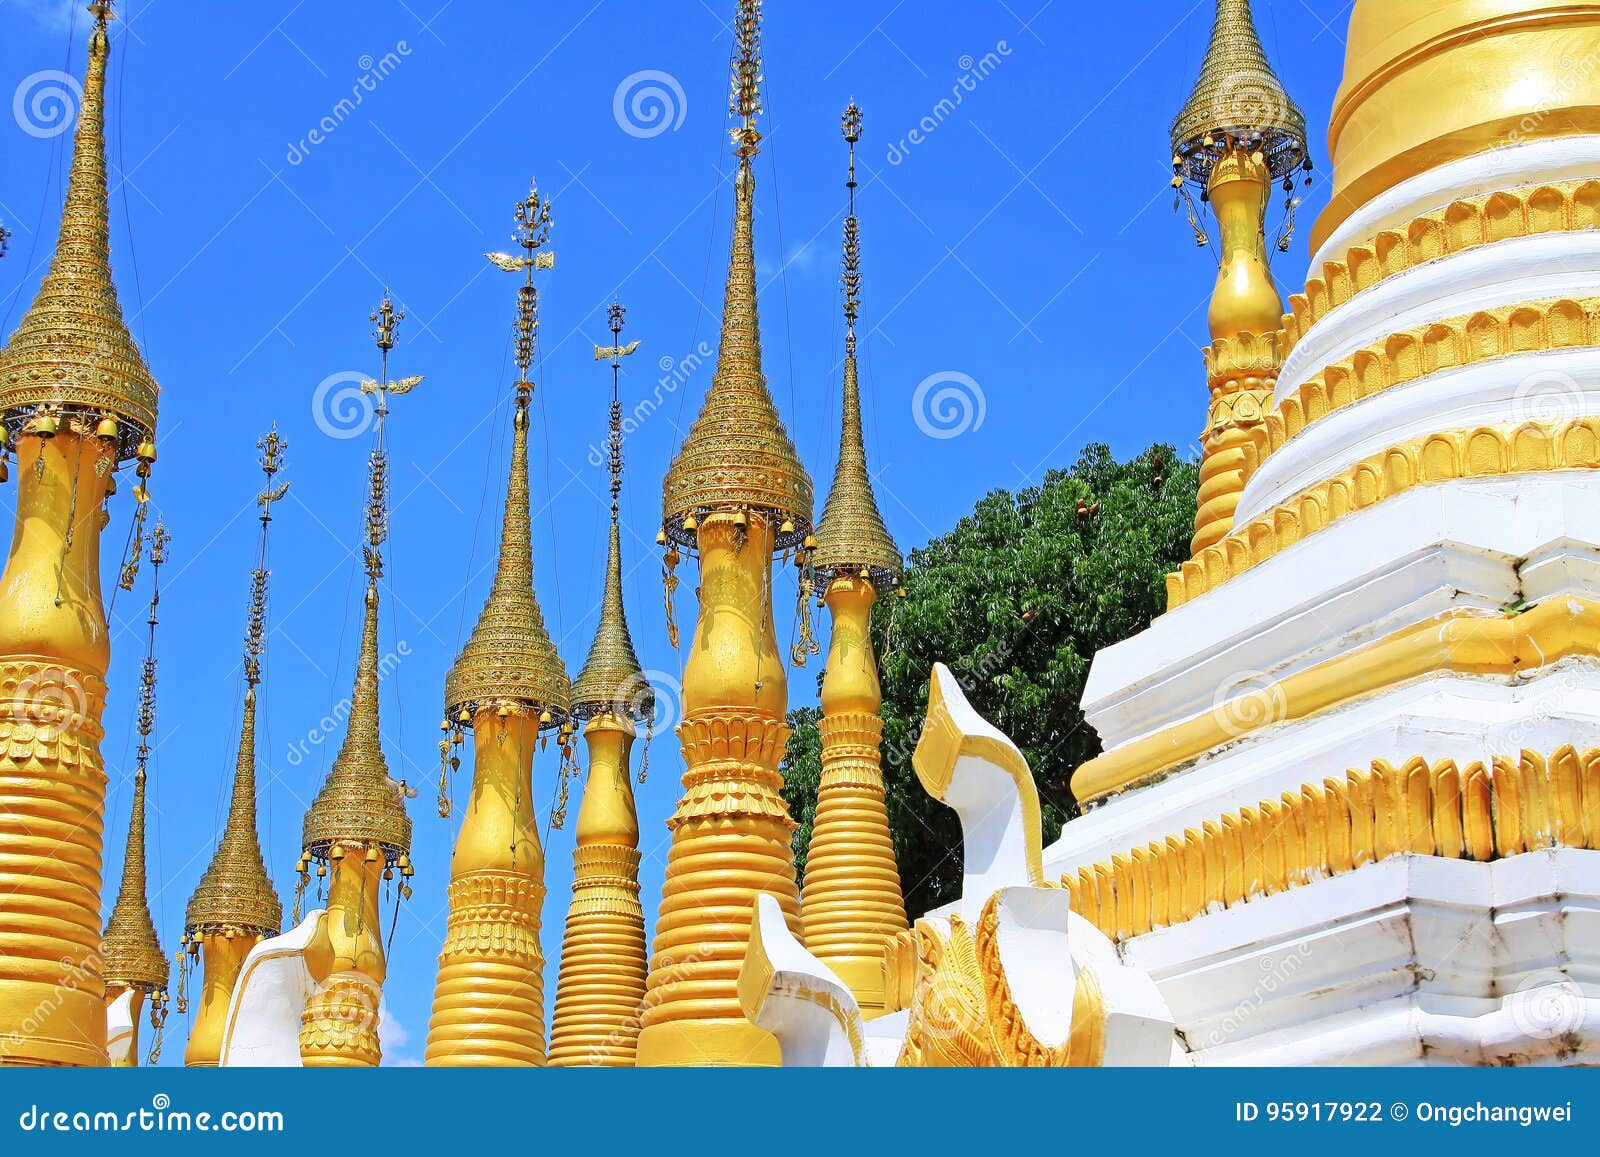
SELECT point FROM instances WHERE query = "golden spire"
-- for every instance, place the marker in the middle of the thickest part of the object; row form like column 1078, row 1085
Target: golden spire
column 738, row 456
column 130, row 951
column 358, row 802
column 72, row 356
column 235, row 897
column 851, row 537
column 611, row 679
column 1237, row 98
column 509, row 657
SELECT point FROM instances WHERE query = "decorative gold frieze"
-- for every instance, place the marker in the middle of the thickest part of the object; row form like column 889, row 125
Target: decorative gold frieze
column 1566, row 206
column 1512, row 805
column 1481, row 452
column 1405, row 356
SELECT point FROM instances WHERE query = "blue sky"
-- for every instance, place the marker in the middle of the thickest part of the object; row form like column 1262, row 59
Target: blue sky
column 1021, row 251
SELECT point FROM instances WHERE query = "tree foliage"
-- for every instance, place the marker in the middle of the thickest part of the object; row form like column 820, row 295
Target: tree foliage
column 1015, row 600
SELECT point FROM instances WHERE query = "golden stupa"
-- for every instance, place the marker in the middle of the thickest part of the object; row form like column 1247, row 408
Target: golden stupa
column 851, row 903
column 508, row 686
column 235, row 906
column 735, row 494
column 603, row 949
column 76, row 401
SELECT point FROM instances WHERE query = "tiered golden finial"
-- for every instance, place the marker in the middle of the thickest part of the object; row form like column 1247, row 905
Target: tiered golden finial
column 852, row 904
column 508, row 685
column 603, row 952
column 736, row 494
column 76, row 399
column 1237, row 134
column 356, row 831
column 130, row 951
column 235, row 906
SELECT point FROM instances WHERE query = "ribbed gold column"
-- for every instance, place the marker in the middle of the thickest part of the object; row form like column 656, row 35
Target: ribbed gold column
column 339, row 1027
column 731, row 831
column 852, row 904
column 1245, row 312
column 488, row 1001
column 603, row 970
column 53, row 658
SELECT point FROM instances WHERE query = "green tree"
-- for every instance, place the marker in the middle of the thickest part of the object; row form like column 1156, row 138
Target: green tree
column 1015, row 600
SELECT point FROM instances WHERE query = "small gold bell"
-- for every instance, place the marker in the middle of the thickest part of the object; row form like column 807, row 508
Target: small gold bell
column 322, row 870
column 147, row 451
column 107, row 429
column 787, row 527
column 739, row 517
column 689, row 523
column 661, row 537
column 811, row 541
column 545, row 716
column 464, row 717
column 372, row 854
column 46, row 425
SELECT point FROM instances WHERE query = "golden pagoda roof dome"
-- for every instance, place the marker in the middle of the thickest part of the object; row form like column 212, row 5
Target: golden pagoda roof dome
column 851, row 535
column 1428, row 84
column 358, row 802
column 509, row 658
column 72, row 351
column 130, row 951
column 738, row 455
column 236, row 893
column 611, row 679
column 1237, row 97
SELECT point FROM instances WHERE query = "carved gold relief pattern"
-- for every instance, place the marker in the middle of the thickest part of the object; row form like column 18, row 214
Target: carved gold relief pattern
column 962, row 1012
column 1510, row 806
column 339, row 1027
column 1482, row 452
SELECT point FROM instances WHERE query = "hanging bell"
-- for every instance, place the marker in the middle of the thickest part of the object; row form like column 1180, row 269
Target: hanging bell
column 46, row 425
column 866, row 572
column 545, row 717
column 336, row 852
column 111, row 485
column 372, row 854
column 811, row 541
column 404, row 864
column 787, row 527
column 147, row 451
column 107, row 430
column 661, row 537
column 464, row 716
column 689, row 523
column 739, row 518
column 322, row 870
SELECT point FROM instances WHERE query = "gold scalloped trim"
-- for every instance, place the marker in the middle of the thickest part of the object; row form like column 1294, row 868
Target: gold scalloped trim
column 1412, row 354
column 1514, row 805
column 1461, row 225
column 1482, row 452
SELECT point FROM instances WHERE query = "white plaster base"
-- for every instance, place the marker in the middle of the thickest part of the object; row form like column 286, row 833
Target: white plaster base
column 1417, row 960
